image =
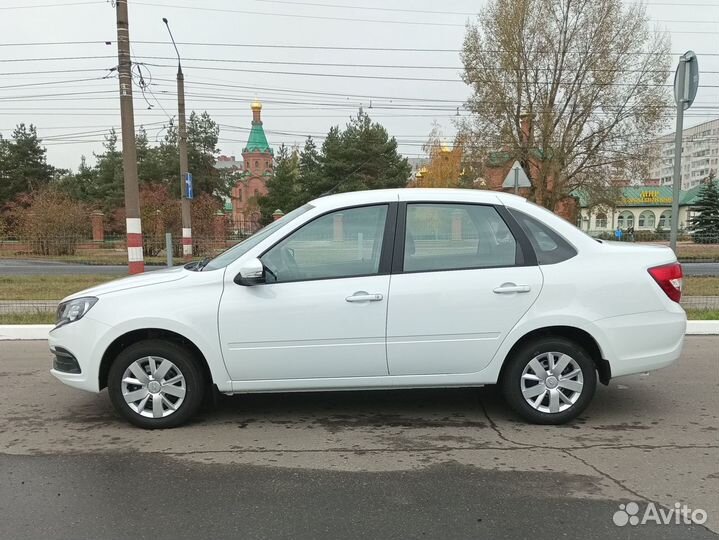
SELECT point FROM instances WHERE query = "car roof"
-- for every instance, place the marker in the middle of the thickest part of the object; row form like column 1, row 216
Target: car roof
column 414, row 194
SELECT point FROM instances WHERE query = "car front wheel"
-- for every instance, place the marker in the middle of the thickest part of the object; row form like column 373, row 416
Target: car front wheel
column 156, row 384
column 550, row 380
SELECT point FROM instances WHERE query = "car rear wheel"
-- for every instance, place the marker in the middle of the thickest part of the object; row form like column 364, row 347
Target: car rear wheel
column 156, row 384
column 550, row 380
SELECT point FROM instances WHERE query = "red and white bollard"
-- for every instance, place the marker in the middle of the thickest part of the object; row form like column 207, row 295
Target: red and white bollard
column 186, row 243
column 135, row 260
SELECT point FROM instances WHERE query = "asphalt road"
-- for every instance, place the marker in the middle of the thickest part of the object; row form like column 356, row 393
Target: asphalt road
column 18, row 267
column 701, row 269
column 22, row 267
column 403, row 464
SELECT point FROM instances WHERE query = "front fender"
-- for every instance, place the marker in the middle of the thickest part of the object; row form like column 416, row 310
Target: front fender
column 205, row 341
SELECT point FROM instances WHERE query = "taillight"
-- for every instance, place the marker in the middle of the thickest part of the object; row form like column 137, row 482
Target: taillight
column 669, row 278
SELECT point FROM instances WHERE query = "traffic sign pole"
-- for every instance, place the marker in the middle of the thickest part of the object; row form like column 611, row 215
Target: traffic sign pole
column 677, row 179
column 686, row 83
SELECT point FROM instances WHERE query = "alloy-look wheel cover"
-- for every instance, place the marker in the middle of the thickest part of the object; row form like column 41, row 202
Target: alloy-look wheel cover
column 153, row 387
column 552, row 382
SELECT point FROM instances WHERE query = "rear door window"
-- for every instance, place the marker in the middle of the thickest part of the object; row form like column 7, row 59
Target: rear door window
column 442, row 236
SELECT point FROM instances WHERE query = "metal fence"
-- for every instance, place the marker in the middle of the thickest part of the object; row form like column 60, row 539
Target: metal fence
column 656, row 235
column 60, row 265
column 110, row 251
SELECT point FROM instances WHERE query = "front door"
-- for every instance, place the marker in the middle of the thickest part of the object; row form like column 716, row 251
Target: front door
column 461, row 287
column 322, row 312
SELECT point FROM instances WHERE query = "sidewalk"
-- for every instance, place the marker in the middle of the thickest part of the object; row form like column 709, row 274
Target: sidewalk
column 709, row 303
column 40, row 331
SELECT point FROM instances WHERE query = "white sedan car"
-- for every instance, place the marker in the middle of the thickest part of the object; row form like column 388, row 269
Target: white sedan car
column 408, row 288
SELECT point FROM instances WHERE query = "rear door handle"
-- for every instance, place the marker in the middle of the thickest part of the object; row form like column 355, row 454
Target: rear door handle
column 509, row 288
column 362, row 296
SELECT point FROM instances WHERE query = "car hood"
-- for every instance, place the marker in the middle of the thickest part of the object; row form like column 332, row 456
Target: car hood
column 146, row 279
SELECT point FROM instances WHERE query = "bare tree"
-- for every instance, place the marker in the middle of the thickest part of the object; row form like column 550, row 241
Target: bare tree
column 591, row 74
column 444, row 166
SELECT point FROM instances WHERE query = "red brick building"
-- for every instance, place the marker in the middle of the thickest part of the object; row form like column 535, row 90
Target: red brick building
column 257, row 168
column 500, row 163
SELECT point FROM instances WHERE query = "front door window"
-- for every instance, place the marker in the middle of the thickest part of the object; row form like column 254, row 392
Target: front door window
column 341, row 244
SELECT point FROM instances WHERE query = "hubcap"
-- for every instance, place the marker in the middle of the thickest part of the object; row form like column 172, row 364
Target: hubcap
column 552, row 382
column 153, row 387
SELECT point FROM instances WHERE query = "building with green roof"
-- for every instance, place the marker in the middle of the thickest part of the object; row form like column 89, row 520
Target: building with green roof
column 646, row 208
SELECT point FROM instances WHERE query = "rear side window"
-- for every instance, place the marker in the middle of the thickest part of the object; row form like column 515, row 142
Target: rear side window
column 549, row 246
column 442, row 236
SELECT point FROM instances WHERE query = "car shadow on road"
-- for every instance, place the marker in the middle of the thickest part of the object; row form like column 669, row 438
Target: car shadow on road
column 477, row 407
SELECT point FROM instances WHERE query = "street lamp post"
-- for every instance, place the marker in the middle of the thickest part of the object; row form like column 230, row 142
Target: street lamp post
column 186, row 190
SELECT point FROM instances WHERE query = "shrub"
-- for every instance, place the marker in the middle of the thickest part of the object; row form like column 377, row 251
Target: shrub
column 52, row 223
column 161, row 213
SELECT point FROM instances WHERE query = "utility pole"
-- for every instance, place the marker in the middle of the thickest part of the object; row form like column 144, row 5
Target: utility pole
column 185, row 176
column 133, row 224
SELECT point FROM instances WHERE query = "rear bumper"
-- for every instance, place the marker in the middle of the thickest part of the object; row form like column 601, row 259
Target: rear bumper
column 643, row 341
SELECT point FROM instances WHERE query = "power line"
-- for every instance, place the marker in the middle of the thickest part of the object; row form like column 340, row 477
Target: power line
column 249, row 45
column 307, row 47
column 51, row 5
column 346, row 19
column 454, row 13
column 367, row 8
column 73, row 94
column 53, row 82
column 298, row 16
column 377, row 77
column 10, row 74
column 405, row 66
column 315, row 92
column 56, row 58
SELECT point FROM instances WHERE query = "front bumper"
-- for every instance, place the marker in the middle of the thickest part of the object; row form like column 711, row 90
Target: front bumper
column 78, row 340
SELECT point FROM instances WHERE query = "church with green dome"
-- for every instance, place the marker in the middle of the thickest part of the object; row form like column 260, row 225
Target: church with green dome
column 252, row 184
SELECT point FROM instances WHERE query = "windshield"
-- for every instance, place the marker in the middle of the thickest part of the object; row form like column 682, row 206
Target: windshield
column 236, row 251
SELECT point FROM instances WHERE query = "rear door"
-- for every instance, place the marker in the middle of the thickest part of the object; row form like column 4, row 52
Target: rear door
column 463, row 276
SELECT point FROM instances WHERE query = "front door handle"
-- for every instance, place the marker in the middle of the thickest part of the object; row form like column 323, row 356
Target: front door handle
column 510, row 288
column 362, row 296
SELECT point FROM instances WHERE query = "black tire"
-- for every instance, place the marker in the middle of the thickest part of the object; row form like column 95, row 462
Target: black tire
column 183, row 360
column 511, row 381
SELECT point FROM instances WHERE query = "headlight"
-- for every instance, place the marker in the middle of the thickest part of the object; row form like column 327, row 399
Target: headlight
column 74, row 310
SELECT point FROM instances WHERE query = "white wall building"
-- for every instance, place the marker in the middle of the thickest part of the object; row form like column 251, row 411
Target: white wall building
column 700, row 154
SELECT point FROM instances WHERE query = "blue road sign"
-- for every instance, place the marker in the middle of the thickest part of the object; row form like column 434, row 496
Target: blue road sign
column 188, row 186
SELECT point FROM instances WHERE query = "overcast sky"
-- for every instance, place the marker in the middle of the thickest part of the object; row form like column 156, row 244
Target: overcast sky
column 72, row 113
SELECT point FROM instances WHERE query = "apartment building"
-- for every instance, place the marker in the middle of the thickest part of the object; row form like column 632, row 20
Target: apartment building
column 700, row 155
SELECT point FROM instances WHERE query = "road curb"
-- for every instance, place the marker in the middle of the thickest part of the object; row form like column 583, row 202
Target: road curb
column 702, row 328
column 39, row 331
column 24, row 331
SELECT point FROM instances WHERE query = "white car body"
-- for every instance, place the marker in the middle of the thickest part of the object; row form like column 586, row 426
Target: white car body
column 433, row 329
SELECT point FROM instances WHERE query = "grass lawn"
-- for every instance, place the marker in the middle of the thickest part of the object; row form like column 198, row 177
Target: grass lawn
column 100, row 256
column 703, row 315
column 43, row 317
column 37, row 317
column 47, row 317
column 47, row 287
column 688, row 251
column 701, row 286
column 57, row 287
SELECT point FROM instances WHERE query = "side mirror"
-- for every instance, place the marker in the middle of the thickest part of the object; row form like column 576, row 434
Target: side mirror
column 251, row 273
